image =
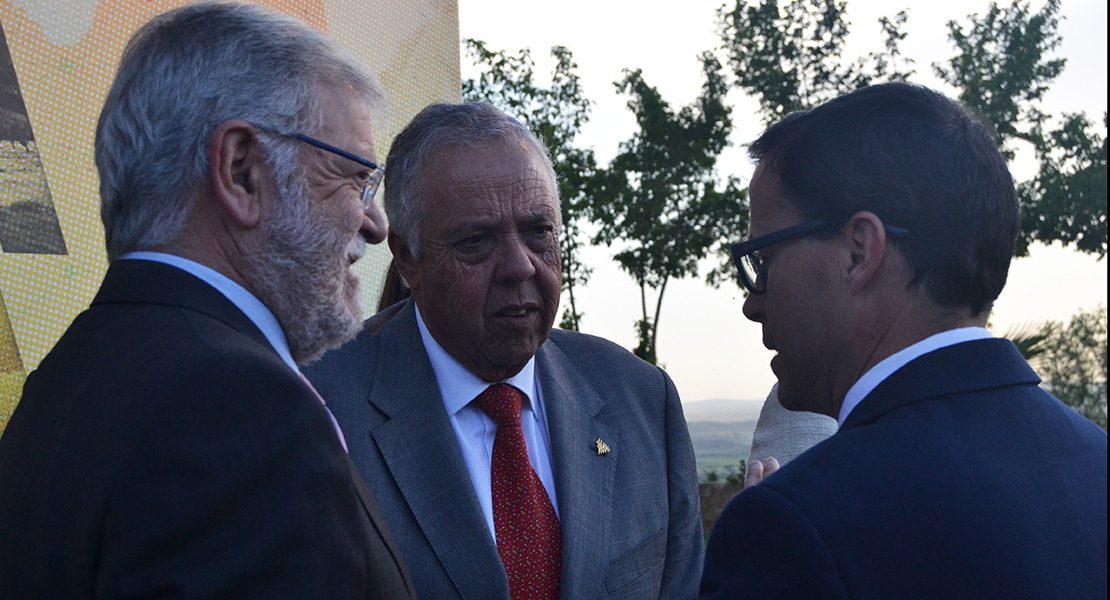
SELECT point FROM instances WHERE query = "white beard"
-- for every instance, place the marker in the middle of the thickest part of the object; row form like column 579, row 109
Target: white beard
column 301, row 272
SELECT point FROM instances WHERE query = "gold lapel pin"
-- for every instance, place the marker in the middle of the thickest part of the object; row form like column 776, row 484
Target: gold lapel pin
column 602, row 447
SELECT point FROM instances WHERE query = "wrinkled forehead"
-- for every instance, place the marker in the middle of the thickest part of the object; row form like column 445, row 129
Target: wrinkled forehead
column 508, row 171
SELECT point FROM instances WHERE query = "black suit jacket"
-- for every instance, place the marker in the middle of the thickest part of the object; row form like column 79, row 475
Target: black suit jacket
column 163, row 449
column 957, row 477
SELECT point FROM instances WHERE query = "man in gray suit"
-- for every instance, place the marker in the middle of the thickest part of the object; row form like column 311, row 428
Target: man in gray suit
column 605, row 504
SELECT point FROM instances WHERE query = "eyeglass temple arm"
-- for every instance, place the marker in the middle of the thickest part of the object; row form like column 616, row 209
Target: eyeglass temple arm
column 330, row 148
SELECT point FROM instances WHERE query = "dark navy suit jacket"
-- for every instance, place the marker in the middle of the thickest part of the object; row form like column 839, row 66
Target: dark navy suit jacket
column 163, row 449
column 957, row 477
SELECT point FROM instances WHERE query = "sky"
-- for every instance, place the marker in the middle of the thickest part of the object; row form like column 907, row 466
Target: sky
column 704, row 342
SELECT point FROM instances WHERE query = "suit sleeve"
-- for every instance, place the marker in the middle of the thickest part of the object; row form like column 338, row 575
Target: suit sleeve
column 685, row 542
column 239, row 489
column 763, row 546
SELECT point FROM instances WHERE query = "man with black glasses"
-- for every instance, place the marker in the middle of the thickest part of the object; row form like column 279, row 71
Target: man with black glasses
column 882, row 226
column 168, row 447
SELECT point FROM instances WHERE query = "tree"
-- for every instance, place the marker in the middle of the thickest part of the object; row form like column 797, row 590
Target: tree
column 555, row 115
column 791, row 59
column 1001, row 67
column 1003, row 70
column 1066, row 201
column 659, row 197
column 1073, row 363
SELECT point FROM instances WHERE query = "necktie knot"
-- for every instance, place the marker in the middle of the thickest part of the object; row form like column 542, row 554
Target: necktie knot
column 501, row 402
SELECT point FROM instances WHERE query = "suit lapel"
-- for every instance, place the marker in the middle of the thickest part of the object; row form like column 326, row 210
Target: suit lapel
column 968, row 367
column 418, row 445
column 584, row 479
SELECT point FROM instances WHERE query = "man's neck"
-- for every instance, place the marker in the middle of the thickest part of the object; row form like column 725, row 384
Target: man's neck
column 886, row 337
column 209, row 251
column 889, row 365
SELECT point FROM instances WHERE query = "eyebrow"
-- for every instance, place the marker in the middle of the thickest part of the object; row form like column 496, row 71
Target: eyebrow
column 480, row 224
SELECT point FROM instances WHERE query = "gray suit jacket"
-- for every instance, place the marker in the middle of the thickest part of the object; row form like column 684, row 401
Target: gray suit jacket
column 630, row 518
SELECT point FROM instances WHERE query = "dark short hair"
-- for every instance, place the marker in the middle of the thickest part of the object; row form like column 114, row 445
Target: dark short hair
column 917, row 160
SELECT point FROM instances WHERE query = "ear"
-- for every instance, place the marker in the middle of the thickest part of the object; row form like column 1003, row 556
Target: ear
column 866, row 241
column 404, row 261
column 236, row 167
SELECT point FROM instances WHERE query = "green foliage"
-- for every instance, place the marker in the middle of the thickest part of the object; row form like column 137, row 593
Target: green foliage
column 738, row 475
column 791, row 58
column 1066, row 201
column 1073, row 364
column 1029, row 340
column 1001, row 67
column 1003, row 70
column 660, row 198
column 555, row 115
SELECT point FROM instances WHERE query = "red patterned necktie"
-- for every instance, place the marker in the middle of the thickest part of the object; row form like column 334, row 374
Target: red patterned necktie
column 523, row 518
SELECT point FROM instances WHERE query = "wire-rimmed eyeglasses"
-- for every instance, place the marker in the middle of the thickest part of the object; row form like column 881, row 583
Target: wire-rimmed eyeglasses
column 373, row 181
column 745, row 255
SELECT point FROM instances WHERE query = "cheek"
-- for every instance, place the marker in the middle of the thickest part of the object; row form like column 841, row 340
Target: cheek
column 549, row 275
column 553, row 281
column 460, row 288
column 344, row 211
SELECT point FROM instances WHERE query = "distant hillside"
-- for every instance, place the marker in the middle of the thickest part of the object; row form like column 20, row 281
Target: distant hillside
column 721, row 440
column 721, row 431
column 722, row 411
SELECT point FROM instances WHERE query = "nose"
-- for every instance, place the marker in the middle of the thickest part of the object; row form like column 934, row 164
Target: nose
column 515, row 262
column 374, row 226
column 753, row 307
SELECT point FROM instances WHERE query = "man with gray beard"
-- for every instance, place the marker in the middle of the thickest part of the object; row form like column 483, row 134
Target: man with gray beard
column 168, row 445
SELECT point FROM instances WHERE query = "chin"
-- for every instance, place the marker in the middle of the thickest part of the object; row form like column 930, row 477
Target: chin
column 514, row 354
column 790, row 398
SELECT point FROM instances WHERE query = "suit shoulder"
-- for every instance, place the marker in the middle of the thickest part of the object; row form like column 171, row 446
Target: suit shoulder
column 357, row 355
column 583, row 348
column 609, row 368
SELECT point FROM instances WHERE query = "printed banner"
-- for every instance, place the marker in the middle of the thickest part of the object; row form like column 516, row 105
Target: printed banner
column 57, row 60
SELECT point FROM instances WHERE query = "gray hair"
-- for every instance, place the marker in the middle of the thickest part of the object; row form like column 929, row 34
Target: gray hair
column 436, row 129
column 180, row 76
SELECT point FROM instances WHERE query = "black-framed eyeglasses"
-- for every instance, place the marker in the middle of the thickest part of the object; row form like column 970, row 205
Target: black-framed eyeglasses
column 377, row 172
column 745, row 255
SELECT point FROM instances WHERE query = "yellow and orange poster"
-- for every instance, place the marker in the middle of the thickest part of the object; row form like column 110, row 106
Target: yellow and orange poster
column 57, row 60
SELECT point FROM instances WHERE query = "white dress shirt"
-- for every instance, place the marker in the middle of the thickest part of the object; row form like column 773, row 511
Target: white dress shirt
column 886, row 367
column 475, row 430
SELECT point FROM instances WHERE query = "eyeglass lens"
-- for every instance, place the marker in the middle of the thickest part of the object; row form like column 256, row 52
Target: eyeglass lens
column 751, row 271
column 372, row 186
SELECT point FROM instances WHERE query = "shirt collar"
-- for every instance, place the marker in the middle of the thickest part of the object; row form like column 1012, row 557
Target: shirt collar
column 245, row 301
column 886, row 367
column 457, row 385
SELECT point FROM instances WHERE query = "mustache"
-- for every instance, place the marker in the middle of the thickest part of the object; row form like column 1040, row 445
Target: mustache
column 356, row 249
